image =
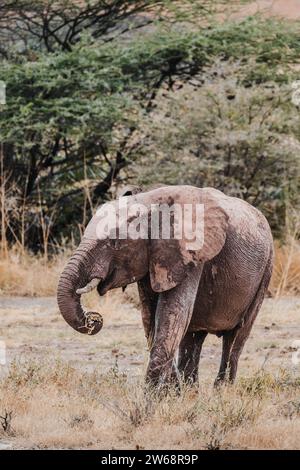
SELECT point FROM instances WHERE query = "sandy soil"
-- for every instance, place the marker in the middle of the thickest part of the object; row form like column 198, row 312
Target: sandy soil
column 289, row 9
column 33, row 327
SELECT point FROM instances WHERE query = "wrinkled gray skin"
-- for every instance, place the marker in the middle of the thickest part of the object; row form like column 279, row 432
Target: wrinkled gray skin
column 184, row 294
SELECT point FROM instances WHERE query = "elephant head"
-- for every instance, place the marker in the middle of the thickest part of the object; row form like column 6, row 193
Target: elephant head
column 98, row 264
column 105, row 262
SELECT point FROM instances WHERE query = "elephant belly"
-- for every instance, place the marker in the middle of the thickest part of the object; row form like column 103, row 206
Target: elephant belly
column 227, row 287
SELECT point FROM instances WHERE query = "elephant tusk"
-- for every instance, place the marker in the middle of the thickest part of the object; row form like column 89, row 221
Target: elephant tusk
column 90, row 286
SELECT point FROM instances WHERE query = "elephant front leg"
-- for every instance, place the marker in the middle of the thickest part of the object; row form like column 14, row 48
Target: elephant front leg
column 189, row 355
column 173, row 314
column 148, row 299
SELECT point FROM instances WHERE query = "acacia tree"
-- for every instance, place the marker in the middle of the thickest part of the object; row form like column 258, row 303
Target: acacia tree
column 241, row 139
column 51, row 25
column 74, row 96
column 58, row 24
column 69, row 123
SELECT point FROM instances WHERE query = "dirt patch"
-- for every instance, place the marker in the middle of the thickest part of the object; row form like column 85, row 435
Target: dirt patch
column 33, row 327
column 288, row 9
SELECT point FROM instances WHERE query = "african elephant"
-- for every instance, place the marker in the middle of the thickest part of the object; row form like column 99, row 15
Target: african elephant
column 186, row 293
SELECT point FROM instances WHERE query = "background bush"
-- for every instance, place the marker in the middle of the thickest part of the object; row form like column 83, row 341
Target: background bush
column 226, row 133
column 144, row 97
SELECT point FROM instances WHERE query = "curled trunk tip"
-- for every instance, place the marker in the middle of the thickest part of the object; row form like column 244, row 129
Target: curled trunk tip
column 70, row 305
column 93, row 323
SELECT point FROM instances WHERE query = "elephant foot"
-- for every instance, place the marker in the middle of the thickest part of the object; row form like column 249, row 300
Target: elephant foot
column 163, row 382
column 190, row 379
column 161, row 391
column 219, row 382
column 222, row 381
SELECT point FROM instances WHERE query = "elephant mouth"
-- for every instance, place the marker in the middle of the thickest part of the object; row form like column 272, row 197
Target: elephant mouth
column 106, row 284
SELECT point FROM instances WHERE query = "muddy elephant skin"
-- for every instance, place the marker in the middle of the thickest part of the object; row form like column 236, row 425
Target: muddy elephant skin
column 185, row 293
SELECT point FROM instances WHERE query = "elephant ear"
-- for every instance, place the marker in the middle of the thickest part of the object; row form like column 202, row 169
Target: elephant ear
column 171, row 259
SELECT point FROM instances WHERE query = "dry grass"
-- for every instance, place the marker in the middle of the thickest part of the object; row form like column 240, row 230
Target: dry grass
column 286, row 273
column 55, row 406
column 24, row 274
column 66, row 390
column 27, row 275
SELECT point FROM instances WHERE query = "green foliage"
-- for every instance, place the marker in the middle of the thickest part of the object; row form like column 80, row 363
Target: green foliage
column 67, row 119
column 57, row 25
column 75, row 119
column 57, row 126
column 241, row 139
column 270, row 41
column 236, row 128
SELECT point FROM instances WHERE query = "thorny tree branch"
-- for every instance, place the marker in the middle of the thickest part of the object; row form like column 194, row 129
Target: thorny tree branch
column 58, row 25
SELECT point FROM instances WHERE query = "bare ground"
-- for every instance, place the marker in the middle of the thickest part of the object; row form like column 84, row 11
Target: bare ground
column 59, row 384
column 289, row 9
column 33, row 328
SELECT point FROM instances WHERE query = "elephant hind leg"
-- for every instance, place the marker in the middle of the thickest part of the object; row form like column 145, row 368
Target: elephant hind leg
column 234, row 340
column 243, row 333
column 233, row 344
column 227, row 342
column 189, row 355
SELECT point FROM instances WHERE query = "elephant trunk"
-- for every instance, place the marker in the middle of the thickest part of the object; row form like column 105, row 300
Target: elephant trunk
column 72, row 279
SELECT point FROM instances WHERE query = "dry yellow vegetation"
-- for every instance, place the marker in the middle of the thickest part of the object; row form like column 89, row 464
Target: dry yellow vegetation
column 286, row 272
column 66, row 390
column 56, row 406
column 60, row 389
column 24, row 274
